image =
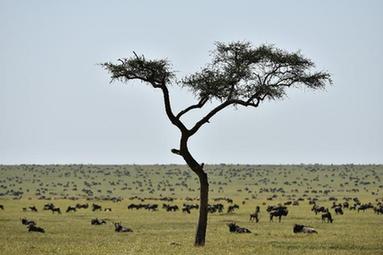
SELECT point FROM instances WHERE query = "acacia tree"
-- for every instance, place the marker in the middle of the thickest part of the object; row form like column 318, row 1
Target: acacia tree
column 239, row 75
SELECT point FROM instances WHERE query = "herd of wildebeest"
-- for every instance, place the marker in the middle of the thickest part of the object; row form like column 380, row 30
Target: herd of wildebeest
column 109, row 183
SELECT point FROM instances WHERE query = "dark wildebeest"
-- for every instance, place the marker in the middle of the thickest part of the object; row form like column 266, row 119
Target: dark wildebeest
column 303, row 229
column 25, row 221
column 97, row 222
column 317, row 208
column 171, row 208
column 82, row 206
column 71, row 209
column 96, row 207
column 231, row 208
column 255, row 215
column 327, row 217
column 278, row 212
column 34, row 228
column 338, row 210
column 2, row 207
column 33, row 208
column 364, row 207
column 56, row 209
column 119, row 228
column 234, row 228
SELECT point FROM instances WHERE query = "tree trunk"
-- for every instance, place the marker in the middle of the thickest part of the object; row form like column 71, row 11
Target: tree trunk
column 202, row 220
column 204, row 190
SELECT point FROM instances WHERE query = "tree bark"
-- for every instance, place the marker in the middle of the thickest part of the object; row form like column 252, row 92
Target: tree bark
column 204, row 190
column 202, row 220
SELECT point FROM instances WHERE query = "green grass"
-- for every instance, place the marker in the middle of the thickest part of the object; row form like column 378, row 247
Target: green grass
column 173, row 233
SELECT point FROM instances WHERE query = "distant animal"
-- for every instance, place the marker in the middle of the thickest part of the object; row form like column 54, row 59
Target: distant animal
column 25, row 221
column 107, row 209
column 303, row 229
column 119, row 228
column 326, row 217
column 234, row 228
column 34, row 228
column 255, row 215
column 97, row 222
column 278, row 212
column 338, row 210
column 2, row 207
column 33, row 208
column 317, row 208
column 71, row 209
column 82, row 206
column 96, row 207
column 56, row 209
column 231, row 208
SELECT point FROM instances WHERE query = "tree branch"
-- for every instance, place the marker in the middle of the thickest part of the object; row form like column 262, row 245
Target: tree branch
column 220, row 107
column 200, row 104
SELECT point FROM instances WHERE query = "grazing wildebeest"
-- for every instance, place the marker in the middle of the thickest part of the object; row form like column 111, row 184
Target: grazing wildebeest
column 34, row 228
column 338, row 210
column 82, row 206
column 119, row 228
column 48, row 206
column 364, row 207
column 56, row 209
column 186, row 210
column 303, row 229
column 151, row 207
column 327, row 217
column 25, row 221
column 231, row 208
column 96, row 207
column 2, row 207
column 171, row 208
column 234, row 228
column 255, row 215
column 97, row 222
column 317, row 208
column 71, row 209
column 278, row 212
column 107, row 209
column 33, row 208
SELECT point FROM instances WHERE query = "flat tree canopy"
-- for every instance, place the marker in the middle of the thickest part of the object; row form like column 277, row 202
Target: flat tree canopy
column 238, row 75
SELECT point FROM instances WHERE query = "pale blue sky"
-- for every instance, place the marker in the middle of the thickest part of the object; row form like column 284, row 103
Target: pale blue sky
column 57, row 106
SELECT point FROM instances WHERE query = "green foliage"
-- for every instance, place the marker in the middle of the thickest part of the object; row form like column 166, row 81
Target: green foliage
column 156, row 72
column 241, row 72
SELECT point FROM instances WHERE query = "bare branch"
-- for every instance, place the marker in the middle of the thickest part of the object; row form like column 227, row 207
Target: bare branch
column 200, row 104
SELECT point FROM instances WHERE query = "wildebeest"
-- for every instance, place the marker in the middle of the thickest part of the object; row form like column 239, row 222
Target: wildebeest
column 119, row 228
column 234, row 228
column 255, row 215
column 317, row 208
column 56, row 209
column 96, row 207
column 82, row 206
column 33, row 208
column 278, row 212
column 364, row 207
column 326, row 217
column 97, row 222
column 71, row 209
column 338, row 210
column 231, row 208
column 303, row 229
column 170, row 208
column 107, row 209
column 25, row 221
column 34, row 228
column 2, row 207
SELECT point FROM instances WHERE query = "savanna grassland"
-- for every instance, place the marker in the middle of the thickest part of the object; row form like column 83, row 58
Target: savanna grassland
column 162, row 232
